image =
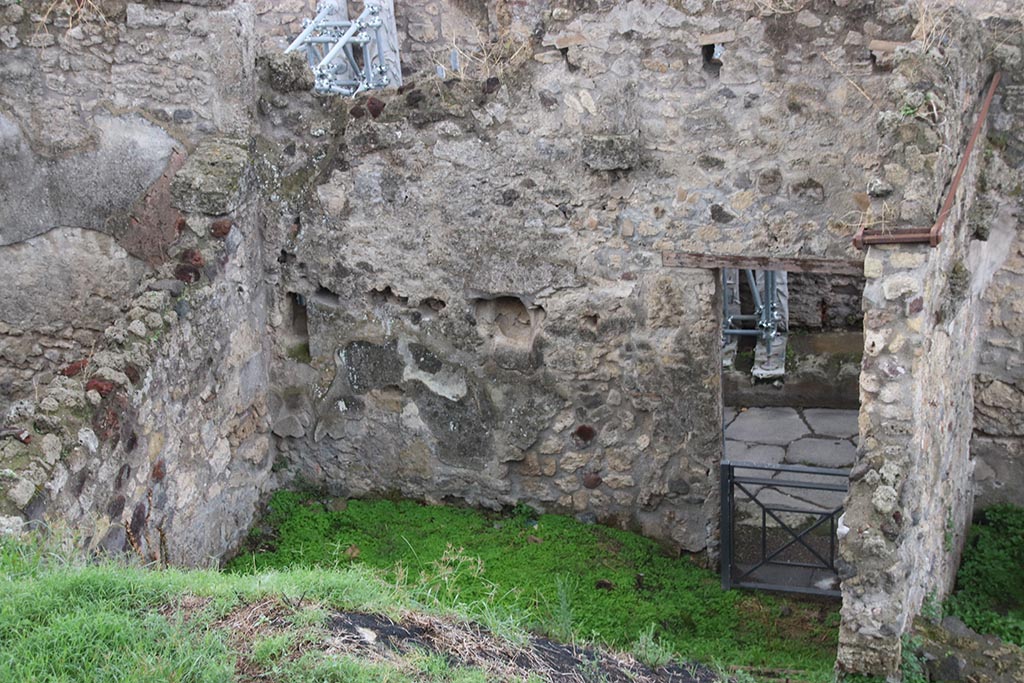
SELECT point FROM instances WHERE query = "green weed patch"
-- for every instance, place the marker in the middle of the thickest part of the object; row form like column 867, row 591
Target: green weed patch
column 989, row 594
column 566, row 577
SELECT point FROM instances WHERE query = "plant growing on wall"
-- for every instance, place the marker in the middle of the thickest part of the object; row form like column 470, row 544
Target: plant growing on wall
column 768, row 7
column 74, row 12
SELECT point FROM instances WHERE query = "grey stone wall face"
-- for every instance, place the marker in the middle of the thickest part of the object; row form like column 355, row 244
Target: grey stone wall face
column 998, row 441
column 155, row 443
column 132, row 330
column 96, row 114
column 911, row 493
column 476, row 266
column 825, row 301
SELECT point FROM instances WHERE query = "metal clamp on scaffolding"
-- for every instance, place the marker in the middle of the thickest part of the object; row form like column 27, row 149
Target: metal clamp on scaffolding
column 350, row 56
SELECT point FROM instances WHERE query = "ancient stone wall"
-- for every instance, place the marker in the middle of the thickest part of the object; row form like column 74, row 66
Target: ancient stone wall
column 468, row 296
column 96, row 113
column 132, row 341
column 825, row 301
column 911, row 494
column 489, row 287
column 998, row 442
column 470, row 300
column 155, row 441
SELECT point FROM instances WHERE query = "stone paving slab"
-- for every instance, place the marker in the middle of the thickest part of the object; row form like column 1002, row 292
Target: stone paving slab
column 776, row 426
column 804, row 498
column 830, row 422
column 783, row 477
column 821, row 452
column 762, row 454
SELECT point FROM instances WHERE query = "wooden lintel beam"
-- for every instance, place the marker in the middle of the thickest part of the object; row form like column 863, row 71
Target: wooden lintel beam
column 684, row 259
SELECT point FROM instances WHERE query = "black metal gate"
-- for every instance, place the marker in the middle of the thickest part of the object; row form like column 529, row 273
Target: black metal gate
column 779, row 526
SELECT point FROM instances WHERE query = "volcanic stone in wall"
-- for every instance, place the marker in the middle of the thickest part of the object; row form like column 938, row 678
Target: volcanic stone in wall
column 213, row 180
column 611, row 152
column 371, row 366
column 462, row 428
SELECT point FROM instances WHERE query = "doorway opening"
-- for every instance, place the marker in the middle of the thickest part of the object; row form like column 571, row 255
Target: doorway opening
column 792, row 345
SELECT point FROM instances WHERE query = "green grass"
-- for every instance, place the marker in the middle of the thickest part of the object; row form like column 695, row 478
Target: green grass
column 989, row 594
column 57, row 622
column 61, row 615
column 65, row 619
column 561, row 577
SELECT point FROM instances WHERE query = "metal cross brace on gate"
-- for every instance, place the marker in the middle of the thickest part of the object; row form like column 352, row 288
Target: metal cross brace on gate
column 350, row 56
column 806, row 478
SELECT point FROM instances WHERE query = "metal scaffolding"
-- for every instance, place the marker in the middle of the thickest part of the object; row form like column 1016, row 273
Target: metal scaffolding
column 350, row 56
column 766, row 315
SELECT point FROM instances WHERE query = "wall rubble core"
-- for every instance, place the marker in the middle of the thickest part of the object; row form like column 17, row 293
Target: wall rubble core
column 912, row 492
column 456, row 292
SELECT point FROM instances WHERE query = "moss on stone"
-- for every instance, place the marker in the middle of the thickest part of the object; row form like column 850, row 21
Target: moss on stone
column 299, row 352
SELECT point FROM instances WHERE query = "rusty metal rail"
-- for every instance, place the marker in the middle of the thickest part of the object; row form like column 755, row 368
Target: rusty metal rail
column 933, row 235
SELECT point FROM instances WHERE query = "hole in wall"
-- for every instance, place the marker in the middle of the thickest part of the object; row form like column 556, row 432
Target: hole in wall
column 386, row 295
column 325, row 297
column 881, row 62
column 435, row 305
column 297, row 315
column 427, row 310
column 711, row 54
column 508, row 319
column 568, row 63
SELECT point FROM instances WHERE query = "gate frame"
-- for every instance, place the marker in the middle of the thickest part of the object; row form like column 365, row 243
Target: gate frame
column 728, row 481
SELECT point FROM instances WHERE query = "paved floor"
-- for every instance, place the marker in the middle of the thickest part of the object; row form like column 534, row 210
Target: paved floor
column 817, row 437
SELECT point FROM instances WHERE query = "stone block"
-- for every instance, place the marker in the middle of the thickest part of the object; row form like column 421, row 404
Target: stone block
column 21, row 493
column 777, row 426
column 287, row 73
column 831, row 422
column 612, row 152
column 821, row 452
column 213, row 180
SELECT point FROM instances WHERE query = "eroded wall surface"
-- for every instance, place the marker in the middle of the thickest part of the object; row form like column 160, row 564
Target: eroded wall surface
column 95, row 116
column 467, row 298
column 911, row 491
column 476, row 265
column 132, row 327
column 998, row 442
